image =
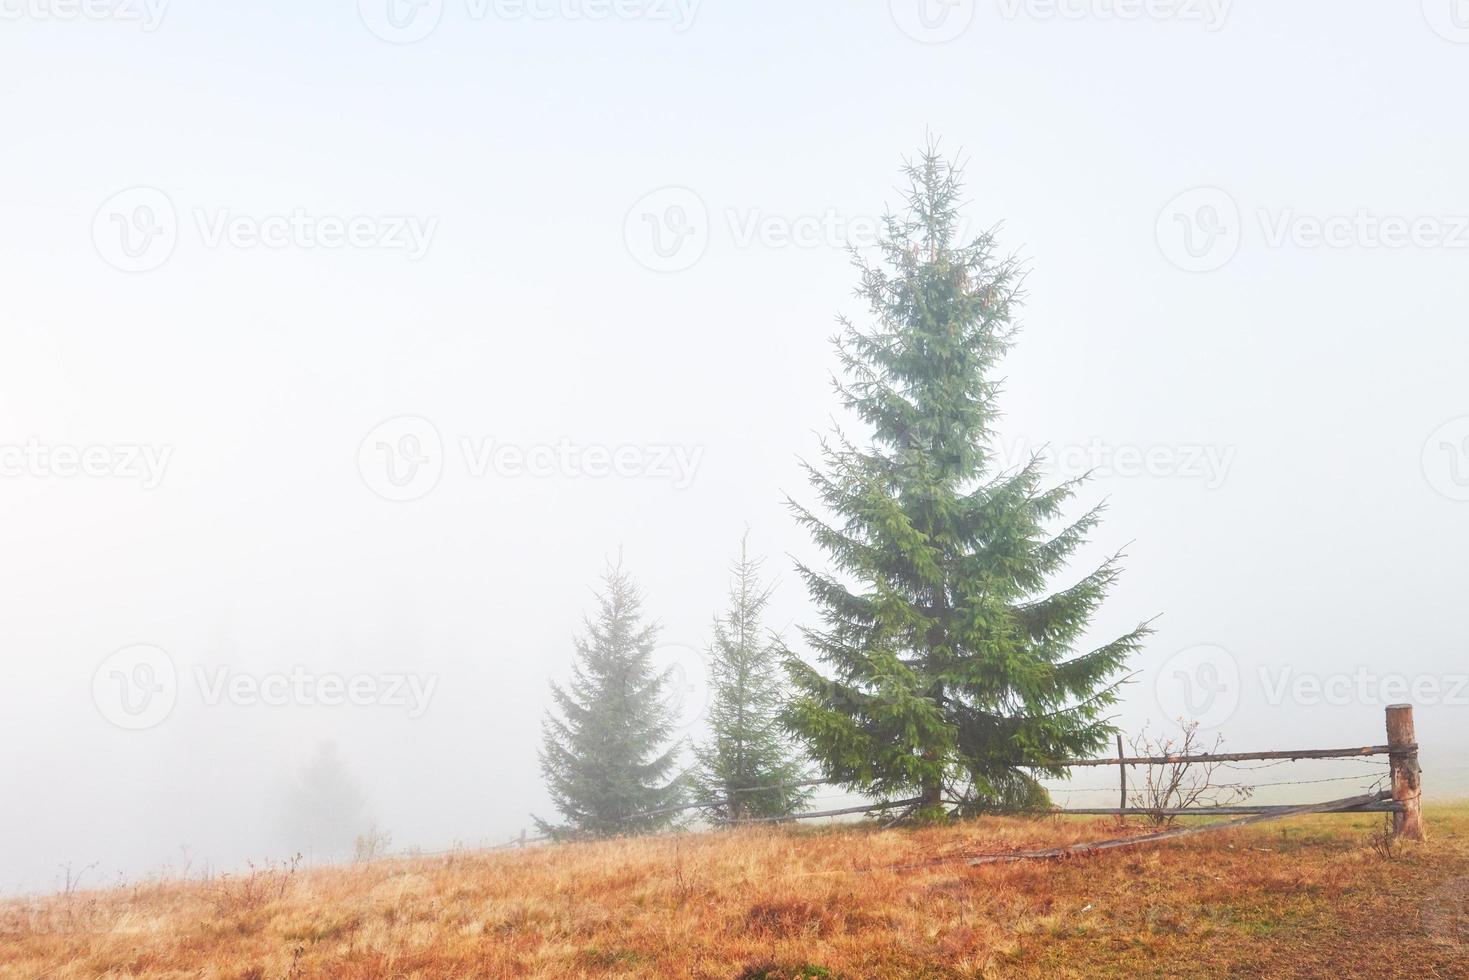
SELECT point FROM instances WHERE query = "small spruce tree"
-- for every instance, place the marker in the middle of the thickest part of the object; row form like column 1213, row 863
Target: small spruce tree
column 747, row 766
column 951, row 669
column 606, row 754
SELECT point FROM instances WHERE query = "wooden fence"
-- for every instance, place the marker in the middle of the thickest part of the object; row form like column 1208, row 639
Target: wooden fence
column 1402, row 801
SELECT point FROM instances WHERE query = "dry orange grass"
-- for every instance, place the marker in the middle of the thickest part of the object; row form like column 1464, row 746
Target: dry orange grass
column 1307, row 897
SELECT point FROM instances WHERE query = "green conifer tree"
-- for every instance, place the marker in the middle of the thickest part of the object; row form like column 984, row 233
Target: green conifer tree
column 606, row 752
column 747, row 766
column 952, row 671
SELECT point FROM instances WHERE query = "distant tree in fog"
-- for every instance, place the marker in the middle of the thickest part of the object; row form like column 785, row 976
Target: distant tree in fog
column 606, row 752
column 747, row 765
column 325, row 809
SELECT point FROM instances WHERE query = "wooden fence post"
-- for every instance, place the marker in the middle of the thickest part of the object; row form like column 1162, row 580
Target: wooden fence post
column 1122, row 768
column 1407, row 778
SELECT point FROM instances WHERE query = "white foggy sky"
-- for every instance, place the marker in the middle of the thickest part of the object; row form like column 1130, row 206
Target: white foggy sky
column 1320, row 372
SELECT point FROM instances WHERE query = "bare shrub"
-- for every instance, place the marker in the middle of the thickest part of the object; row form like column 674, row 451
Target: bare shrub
column 236, row 895
column 1384, row 840
column 1181, row 785
column 371, row 845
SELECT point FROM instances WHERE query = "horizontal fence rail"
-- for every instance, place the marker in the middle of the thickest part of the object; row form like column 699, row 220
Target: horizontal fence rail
column 1204, row 757
column 1379, row 806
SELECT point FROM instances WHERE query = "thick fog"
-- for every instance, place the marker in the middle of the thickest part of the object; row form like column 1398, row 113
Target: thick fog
column 343, row 348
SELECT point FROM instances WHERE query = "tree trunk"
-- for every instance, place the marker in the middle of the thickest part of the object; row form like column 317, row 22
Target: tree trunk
column 932, row 794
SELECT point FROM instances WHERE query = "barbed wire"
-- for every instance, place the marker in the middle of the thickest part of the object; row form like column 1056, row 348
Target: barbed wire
column 1301, row 782
column 1285, row 762
column 1377, row 768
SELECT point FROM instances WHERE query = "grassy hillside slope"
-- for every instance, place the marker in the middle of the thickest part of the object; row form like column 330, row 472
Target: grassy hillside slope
column 1304, row 897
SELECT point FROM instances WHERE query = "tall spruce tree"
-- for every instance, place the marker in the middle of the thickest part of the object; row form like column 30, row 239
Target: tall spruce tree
column 747, row 766
column 607, row 757
column 952, row 668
